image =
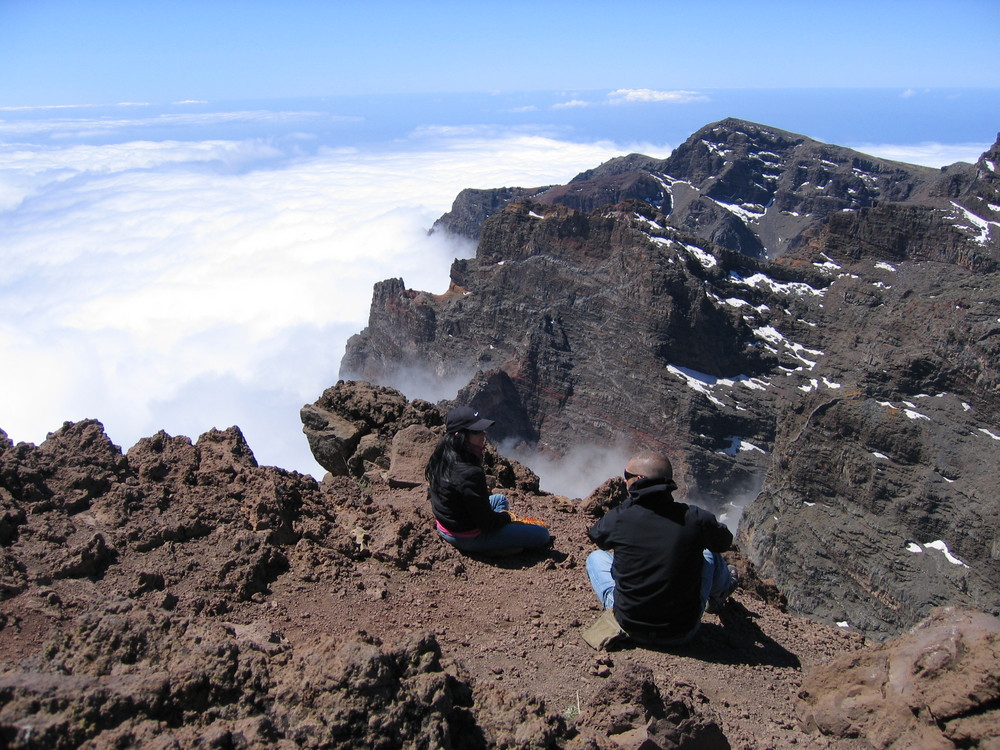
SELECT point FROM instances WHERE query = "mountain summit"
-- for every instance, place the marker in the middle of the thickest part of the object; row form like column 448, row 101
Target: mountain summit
column 743, row 186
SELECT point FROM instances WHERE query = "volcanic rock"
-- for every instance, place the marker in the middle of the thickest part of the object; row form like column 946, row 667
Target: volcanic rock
column 179, row 594
column 139, row 602
column 747, row 187
column 243, row 606
column 938, row 686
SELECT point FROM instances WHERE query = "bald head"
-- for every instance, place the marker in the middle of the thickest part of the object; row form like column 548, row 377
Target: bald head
column 651, row 465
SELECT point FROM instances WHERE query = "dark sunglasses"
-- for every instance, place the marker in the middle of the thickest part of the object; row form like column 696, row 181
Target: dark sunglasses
column 630, row 475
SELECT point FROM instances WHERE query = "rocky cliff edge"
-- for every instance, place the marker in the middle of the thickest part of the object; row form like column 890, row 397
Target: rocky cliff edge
column 180, row 595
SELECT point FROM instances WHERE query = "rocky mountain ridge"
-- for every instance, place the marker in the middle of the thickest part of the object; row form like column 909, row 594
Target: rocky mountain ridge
column 793, row 321
column 745, row 187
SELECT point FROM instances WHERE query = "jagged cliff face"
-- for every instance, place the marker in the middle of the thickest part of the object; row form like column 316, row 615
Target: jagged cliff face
column 593, row 326
column 779, row 315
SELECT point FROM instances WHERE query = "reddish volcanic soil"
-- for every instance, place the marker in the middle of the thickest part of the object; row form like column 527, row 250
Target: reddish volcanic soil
column 182, row 596
column 516, row 623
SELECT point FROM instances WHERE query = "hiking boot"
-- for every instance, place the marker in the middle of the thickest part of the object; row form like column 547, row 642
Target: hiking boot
column 716, row 603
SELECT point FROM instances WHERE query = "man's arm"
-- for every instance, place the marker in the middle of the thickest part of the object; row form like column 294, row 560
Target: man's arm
column 600, row 532
column 717, row 537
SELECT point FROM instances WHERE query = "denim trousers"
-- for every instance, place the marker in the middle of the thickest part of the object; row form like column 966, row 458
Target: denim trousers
column 715, row 580
column 508, row 537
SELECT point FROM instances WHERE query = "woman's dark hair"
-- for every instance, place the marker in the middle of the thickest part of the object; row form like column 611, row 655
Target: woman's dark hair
column 452, row 447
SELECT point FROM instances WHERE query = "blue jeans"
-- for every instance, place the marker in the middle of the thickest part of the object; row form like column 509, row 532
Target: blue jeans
column 715, row 580
column 508, row 538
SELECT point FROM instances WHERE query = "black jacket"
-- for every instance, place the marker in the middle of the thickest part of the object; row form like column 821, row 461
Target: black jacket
column 658, row 559
column 461, row 500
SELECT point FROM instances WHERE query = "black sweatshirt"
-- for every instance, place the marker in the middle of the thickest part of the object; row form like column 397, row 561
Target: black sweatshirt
column 461, row 501
column 658, row 558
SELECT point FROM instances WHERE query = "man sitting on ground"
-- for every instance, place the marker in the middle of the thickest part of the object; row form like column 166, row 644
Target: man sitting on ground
column 666, row 567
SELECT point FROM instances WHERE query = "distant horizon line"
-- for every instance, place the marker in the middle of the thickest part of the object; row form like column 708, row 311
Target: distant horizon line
column 904, row 92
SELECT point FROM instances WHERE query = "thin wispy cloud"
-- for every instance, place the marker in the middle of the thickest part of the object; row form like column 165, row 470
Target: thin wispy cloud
column 42, row 107
column 82, row 127
column 636, row 96
column 572, row 104
column 646, row 96
column 577, row 473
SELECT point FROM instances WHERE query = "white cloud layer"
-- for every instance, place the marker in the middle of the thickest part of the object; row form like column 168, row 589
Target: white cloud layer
column 188, row 285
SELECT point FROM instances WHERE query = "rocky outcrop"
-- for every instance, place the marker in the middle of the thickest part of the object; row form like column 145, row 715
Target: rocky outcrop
column 898, row 232
column 473, row 207
column 127, row 679
column 373, row 432
column 845, row 375
column 144, row 580
column 935, row 687
column 349, row 429
column 633, row 712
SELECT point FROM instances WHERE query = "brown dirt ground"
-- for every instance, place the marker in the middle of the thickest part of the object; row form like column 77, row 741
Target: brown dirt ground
column 517, row 622
column 509, row 627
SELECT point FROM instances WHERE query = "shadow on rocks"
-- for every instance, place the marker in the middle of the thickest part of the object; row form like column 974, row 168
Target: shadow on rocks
column 738, row 640
column 521, row 560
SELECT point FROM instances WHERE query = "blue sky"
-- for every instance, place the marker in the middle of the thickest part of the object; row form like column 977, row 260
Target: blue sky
column 108, row 51
column 197, row 197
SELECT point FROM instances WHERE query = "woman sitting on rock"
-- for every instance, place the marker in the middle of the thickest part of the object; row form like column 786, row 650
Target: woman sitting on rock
column 467, row 515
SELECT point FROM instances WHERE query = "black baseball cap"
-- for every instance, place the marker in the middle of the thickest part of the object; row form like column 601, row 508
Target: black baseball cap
column 465, row 418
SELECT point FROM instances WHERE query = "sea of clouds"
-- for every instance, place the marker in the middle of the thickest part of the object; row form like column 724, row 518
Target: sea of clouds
column 156, row 278
column 184, row 285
